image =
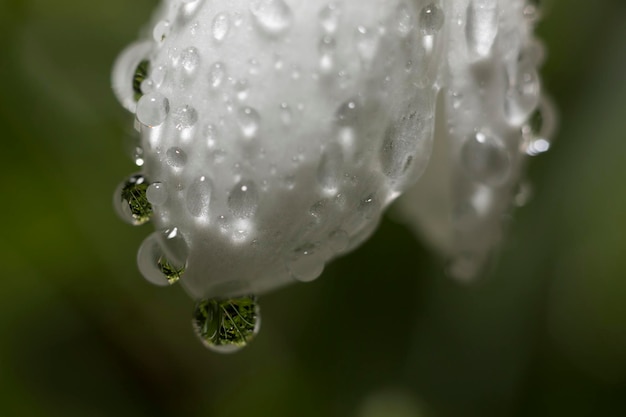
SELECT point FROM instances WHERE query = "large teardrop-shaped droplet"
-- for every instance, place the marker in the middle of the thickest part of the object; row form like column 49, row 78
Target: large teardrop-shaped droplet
column 243, row 199
column 227, row 325
column 306, row 263
column 130, row 200
column 481, row 26
column 431, row 19
column 272, row 17
column 162, row 257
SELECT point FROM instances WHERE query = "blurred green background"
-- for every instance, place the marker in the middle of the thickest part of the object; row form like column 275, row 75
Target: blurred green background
column 383, row 333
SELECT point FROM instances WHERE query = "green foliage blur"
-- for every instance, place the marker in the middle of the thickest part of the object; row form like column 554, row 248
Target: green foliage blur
column 383, row 333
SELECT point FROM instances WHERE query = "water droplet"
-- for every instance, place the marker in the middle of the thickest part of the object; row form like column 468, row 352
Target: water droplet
column 368, row 207
column 162, row 257
column 241, row 89
column 523, row 94
column 190, row 60
column 326, row 49
column 404, row 20
column 485, row 159
column 152, row 109
column 158, row 75
column 176, row 157
column 330, row 168
column 184, row 117
column 161, row 31
column 307, row 263
column 431, row 19
column 273, row 17
column 157, row 193
column 338, row 241
column 217, row 74
column 366, row 43
column 130, row 200
column 128, row 72
column 211, row 135
column 227, row 325
column 249, row 121
column 482, row 26
column 537, row 132
column 199, row 196
column 329, row 17
column 243, row 199
column 139, row 77
column 221, row 26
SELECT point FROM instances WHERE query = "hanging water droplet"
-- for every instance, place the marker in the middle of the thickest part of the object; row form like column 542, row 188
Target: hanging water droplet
column 190, row 60
column 162, row 257
column 523, row 94
column 184, row 117
column 326, row 49
column 157, row 194
column 158, row 75
column 141, row 72
column 329, row 17
column 485, row 159
column 273, row 17
column 130, row 200
column 221, row 26
column 330, row 168
column 482, row 26
column 176, row 157
column 199, row 196
column 243, row 199
column 404, row 20
column 431, row 19
column 306, row 262
column 227, row 325
column 217, row 74
column 152, row 109
column 249, row 121
column 161, row 31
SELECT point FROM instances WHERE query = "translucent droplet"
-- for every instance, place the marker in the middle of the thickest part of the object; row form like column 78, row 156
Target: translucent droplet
column 485, row 159
column 176, row 157
column 161, row 31
column 141, row 72
column 307, row 263
column 211, row 135
column 523, row 96
column 338, row 241
column 326, row 49
column 130, row 200
column 243, row 199
column 190, row 59
column 162, row 257
column 241, row 89
column 366, row 43
column 152, row 109
column 329, row 17
column 431, row 19
column 157, row 194
column 158, row 75
column 184, row 117
column 404, row 23
column 249, row 121
column 368, row 207
column 221, row 26
column 481, row 26
column 199, row 196
column 227, row 325
column 217, row 74
column 330, row 169
column 538, row 130
column 273, row 17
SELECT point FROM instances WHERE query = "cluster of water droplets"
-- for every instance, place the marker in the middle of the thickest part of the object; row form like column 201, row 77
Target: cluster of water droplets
column 273, row 134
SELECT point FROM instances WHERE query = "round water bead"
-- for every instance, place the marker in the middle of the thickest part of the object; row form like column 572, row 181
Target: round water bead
column 130, row 200
column 152, row 109
column 227, row 325
column 485, row 159
column 157, row 193
column 162, row 257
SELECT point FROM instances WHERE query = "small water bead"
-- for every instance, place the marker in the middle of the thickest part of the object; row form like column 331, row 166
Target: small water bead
column 272, row 17
column 221, row 26
column 227, row 325
column 330, row 168
column 157, row 194
column 485, row 159
column 152, row 109
column 404, row 24
column 141, row 72
column 217, row 74
column 329, row 17
column 184, row 117
column 176, row 157
column 242, row 88
column 307, row 262
column 249, row 122
column 482, row 26
column 162, row 257
column 243, row 199
column 190, row 60
column 157, row 75
column 161, row 31
column 211, row 135
column 131, row 203
column 431, row 19
column 199, row 196
column 326, row 49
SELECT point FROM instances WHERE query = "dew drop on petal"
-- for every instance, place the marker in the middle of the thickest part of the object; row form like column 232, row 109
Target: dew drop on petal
column 273, row 17
column 190, row 59
column 243, row 199
column 221, row 26
column 130, row 201
column 176, row 157
column 227, row 325
column 217, row 74
column 152, row 109
column 249, row 122
column 162, row 257
column 482, row 26
column 485, row 159
column 306, row 263
column 431, row 19
column 184, row 117
column 157, row 194
column 329, row 17
column 199, row 196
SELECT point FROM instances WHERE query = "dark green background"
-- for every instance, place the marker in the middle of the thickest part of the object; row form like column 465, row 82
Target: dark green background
column 81, row 334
